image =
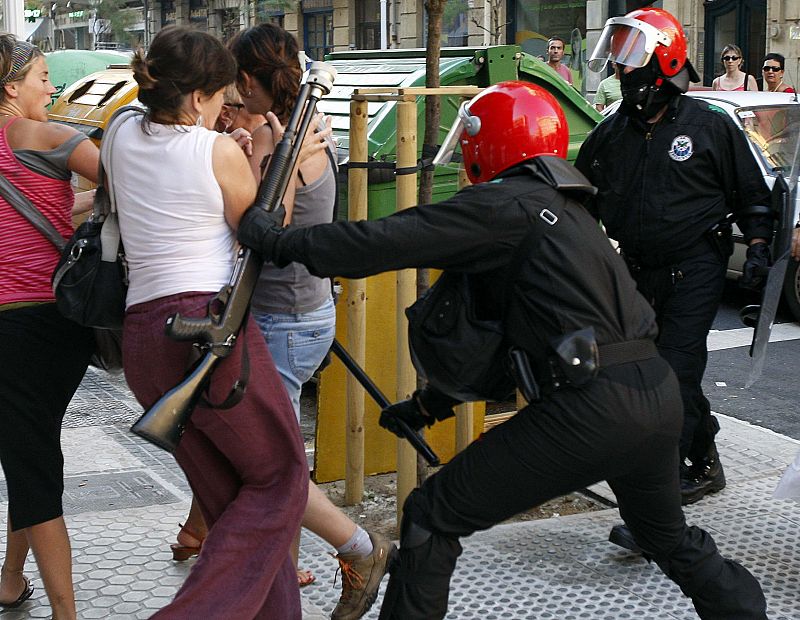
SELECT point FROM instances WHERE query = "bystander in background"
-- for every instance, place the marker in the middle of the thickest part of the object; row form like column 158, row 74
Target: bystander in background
column 555, row 52
column 608, row 91
column 733, row 78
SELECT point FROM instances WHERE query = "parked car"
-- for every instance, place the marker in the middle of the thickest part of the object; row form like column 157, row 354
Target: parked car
column 771, row 123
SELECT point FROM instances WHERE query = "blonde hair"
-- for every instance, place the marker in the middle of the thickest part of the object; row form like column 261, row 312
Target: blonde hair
column 231, row 95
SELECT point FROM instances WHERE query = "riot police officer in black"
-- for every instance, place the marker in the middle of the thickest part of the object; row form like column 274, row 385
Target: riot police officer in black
column 669, row 170
column 609, row 408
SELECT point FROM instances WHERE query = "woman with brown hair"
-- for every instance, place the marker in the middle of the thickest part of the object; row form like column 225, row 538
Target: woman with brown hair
column 43, row 356
column 734, row 78
column 293, row 308
column 180, row 190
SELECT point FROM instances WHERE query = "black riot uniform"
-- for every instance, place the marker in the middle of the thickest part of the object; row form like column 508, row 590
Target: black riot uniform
column 662, row 188
column 622, row 426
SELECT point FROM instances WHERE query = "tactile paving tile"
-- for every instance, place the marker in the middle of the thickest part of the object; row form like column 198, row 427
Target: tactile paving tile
column 101, row 398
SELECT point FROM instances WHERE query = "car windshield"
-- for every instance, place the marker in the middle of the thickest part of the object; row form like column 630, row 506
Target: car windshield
column 775, row 131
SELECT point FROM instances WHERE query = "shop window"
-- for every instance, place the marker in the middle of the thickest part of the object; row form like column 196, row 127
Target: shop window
column 271, row 11
column 368, row 25
column 455, row 25
column 318, row 28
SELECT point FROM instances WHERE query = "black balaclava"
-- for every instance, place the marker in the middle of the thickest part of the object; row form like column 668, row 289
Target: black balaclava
column 644, row 91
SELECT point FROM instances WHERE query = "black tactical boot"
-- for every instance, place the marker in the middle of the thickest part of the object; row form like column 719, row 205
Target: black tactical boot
column 701, row 477
column 621, row 536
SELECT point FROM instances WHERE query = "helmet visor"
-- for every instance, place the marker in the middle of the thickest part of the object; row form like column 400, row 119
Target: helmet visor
column 626, row 41
column 464, row 122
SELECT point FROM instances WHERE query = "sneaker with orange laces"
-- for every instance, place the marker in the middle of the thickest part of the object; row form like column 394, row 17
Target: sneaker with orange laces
column 361, row 578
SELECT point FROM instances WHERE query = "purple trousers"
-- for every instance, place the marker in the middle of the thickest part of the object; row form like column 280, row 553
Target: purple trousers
column 246, row 466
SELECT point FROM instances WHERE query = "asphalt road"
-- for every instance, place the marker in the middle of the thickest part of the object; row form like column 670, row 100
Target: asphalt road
column 774, row 400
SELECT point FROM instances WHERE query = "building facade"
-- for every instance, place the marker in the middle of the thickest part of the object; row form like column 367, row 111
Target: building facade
column 323, row 26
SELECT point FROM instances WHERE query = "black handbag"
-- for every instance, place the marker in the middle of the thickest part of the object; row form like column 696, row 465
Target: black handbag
column 108, row 352
column 457, row 352
column 90, row 281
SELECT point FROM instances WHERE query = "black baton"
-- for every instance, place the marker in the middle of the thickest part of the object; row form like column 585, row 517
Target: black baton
column 413, row 437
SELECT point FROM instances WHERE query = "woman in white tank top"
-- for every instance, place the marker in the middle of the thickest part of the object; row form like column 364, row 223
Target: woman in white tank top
column 293, row 308
column 181, row 189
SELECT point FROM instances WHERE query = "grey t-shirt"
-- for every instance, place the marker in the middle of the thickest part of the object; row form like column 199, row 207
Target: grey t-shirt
column 51, row 163
column 292, row 289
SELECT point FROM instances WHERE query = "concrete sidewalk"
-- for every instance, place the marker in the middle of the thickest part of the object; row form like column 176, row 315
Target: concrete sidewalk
column 124, row 499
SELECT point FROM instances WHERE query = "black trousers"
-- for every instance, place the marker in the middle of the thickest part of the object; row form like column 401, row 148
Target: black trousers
column 624, row 428
column 686, row 297
column 43, row 358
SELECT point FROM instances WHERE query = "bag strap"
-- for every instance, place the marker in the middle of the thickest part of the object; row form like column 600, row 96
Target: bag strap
column 13, row 196
column 105, row 205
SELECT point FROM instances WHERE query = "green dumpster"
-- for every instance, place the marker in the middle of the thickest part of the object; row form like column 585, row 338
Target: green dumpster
column 399, row 68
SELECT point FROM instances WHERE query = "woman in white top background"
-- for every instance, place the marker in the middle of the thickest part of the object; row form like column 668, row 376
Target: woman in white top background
column 181, row 189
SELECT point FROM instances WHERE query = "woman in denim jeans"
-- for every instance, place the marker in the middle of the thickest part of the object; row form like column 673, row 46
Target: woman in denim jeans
column 294, row 309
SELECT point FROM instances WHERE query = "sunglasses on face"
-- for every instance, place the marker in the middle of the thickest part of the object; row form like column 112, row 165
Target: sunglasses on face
column 770, row 68
column 237, row 106
column 729, row 58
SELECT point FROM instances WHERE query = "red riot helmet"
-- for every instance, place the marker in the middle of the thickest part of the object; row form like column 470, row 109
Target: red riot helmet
column 505, row 125
column 643, row 34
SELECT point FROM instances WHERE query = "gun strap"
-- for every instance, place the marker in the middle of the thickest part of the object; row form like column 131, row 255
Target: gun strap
column 236, row 394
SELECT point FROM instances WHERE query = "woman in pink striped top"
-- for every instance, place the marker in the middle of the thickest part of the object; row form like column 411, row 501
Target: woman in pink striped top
column 43, row 356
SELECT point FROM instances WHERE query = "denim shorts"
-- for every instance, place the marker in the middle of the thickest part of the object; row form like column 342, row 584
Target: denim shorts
column 298, row 344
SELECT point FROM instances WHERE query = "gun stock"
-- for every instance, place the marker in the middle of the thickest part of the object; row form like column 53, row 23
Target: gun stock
column 163, row 423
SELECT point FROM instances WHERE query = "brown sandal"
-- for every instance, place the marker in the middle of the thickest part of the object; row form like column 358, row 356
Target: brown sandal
column 181, row 553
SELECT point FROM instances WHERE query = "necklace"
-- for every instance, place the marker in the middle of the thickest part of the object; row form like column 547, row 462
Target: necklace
column 777, row 86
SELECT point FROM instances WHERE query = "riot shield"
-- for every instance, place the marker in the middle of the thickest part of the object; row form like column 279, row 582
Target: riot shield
column 784, row 147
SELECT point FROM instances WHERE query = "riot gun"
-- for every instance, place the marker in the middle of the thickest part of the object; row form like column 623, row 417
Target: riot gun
column 217, row 332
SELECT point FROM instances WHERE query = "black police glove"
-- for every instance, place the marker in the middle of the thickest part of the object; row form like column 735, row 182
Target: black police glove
column 259, row 230
column 756, row 267
column 424, row 408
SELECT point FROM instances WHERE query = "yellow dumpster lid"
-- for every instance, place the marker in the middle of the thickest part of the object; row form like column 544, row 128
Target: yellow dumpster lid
column 87, row 104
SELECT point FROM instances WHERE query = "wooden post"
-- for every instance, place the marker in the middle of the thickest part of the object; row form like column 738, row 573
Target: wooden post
column 464, row 413
column 356, row 310
column 406, row 293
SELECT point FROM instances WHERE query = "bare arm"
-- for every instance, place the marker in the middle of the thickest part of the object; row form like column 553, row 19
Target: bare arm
column 83, row 202
column 232, row 172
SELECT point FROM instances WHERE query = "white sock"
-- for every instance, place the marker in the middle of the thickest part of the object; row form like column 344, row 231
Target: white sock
column 359, row 544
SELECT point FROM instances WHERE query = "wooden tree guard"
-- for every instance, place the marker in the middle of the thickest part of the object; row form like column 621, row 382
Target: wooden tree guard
column 406, row 286
column 356, row 311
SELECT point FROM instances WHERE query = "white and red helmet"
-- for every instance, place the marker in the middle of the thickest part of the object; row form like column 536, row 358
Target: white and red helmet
column 633, row 40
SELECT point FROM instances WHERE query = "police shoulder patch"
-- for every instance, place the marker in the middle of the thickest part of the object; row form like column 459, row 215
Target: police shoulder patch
column 717, row 109
column 681, row 148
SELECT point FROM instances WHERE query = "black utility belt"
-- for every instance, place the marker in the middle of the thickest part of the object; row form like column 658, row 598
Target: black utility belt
column 609, row 355
column 716, row 240
column 557, row 372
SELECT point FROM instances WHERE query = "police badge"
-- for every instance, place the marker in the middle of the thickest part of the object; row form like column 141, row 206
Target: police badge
column 681, row 148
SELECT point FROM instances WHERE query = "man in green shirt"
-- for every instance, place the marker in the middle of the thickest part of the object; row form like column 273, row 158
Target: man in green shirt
column 608, row 91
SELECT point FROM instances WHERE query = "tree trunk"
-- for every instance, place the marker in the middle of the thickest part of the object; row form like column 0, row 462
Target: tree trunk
column 435, row 9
